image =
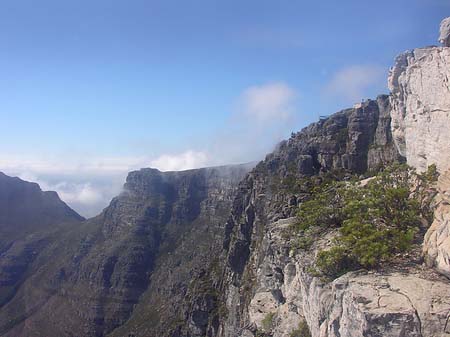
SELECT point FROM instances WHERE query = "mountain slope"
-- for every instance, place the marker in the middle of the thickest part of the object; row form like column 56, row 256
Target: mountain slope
column 29, row 218
column 150, row 242
column 25, row 208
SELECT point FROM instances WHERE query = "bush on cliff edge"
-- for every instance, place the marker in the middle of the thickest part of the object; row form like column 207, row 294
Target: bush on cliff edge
column 376, row 219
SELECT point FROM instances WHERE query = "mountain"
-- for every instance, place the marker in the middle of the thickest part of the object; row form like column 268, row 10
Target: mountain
column 29, row 218
column 331, row 235
column 133, row 264
column 25, row 208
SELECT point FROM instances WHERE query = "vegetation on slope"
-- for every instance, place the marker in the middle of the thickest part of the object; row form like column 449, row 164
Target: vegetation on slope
column 375, row 220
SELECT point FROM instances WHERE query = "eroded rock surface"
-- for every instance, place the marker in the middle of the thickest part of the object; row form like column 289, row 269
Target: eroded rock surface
column 263, row 276
column 437, row 239
column 420, row 100
column 410, row 302
column 444, row 36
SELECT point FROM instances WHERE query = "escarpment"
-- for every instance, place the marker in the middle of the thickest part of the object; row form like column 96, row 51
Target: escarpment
column 269, row 287
column 131, row 266
column 264, row 277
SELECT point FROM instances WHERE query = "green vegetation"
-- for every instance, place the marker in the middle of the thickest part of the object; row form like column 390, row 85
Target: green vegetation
column 431, row 174
column 268, row 322
column 301, row 331
column 342, row 136
column 260, row 333
column 375, row 220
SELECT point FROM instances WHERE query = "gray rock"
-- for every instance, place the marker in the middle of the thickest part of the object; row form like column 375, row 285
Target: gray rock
column 436, row 245
column 444, row 36
column 420, row 103
column 262, row 275
column 392, row 303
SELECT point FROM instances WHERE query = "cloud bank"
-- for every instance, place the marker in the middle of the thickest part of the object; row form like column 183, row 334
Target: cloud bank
column 263, row 116
column 183, row 161
column 352, row 82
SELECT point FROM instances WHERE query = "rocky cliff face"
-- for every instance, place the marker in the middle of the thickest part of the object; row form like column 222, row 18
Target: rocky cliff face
column 261, row 275
column 444, row 32
column 267, row 283
column 437, row 239
column 419, row 82
column 420, row 87
column 131, row 266
column 405, row 300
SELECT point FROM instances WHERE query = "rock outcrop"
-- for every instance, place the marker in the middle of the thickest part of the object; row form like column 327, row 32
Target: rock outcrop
column 262, row 276
column 420, row 100
column 444, row 36
column 437, row 239
column 267, row 283
column 408, row 300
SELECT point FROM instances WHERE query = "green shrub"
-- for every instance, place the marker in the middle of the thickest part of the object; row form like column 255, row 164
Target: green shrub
column 323, row 209
column 333, row 262
column 431, row 174
column 268, row 322
column 301, row 331
column 304, row 242
column 375, row 221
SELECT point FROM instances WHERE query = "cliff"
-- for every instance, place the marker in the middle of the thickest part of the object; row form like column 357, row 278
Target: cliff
column 421, row 106
column 267, row 279
column 270, row 289
column 132, row 265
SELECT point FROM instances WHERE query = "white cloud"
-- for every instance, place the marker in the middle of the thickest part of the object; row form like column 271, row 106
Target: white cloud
column 84, row 165
column 269, row 102
column 183, row 161
column 86, row 184
column 83, row 193
column 352, row 82
column 263, row 116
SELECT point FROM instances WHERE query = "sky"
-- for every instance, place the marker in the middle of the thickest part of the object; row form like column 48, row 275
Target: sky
column 91, row 89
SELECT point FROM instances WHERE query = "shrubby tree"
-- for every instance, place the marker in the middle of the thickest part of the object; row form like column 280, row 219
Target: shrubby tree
column 376, row 220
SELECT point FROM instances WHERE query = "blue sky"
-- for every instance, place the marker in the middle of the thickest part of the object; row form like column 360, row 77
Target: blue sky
column 92, row 89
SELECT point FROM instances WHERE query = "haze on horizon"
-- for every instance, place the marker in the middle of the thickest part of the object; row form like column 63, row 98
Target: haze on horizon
column 93, row 89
